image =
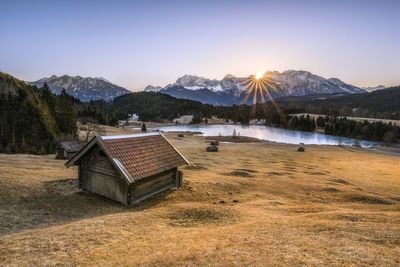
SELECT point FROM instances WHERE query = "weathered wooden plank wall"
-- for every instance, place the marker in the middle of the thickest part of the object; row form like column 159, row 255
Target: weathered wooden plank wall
column 99, row 176
column 154, row 183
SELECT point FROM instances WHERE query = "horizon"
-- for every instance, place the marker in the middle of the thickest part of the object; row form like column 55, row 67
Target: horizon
column 138, row 44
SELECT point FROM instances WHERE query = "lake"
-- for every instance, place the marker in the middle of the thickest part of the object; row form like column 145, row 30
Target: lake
column 269, row 134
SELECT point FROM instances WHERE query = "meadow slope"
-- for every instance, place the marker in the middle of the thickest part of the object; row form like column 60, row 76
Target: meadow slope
column 255, row 204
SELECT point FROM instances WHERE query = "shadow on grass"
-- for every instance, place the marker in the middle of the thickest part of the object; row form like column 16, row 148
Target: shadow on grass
column 59, row 202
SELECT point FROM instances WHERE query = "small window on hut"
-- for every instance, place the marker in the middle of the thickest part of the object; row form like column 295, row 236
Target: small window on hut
column 101, row 153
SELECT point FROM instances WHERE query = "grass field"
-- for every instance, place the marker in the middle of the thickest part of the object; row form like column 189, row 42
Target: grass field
column 249, row 204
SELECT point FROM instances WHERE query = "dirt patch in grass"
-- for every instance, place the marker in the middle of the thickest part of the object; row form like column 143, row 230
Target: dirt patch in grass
column 362, row 217
column 275, row 203
column 395, row 198
column 240, row 173
column 348, row 217
column 368, row 199
column 276, row 173
column 228, row 188
column 289, row 168
column 305, row 210
column 330, row 190
column 340, row 181
column 247, row 170
column 317, row 173
column 201, row 216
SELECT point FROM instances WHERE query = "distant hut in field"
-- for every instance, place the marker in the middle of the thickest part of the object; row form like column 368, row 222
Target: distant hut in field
column 212, row 149
column 185, row 119
column 66, row 150
column 214, row 143
column 133, row 117
column 128, row 168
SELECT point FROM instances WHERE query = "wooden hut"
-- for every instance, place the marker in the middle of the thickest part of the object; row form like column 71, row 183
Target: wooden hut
column 212, row 149
column 66, row 150
column 128, row 168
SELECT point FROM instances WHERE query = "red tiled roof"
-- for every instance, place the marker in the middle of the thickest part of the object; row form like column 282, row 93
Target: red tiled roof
column 137, row 156
column 143, row 156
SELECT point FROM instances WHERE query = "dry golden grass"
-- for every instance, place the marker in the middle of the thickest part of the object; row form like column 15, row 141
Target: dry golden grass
column 249, row 204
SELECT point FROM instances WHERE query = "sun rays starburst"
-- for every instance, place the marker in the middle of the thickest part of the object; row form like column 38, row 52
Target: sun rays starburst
column 259, row 88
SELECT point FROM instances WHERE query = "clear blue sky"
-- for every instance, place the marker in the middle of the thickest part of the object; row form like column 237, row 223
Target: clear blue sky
column 136, row 43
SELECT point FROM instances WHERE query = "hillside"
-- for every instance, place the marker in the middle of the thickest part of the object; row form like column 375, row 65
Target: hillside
column 249, row 204
column 158, row 107
column 32, row 120
column 384, row 104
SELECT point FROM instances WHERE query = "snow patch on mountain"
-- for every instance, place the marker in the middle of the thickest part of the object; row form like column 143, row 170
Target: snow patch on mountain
column 374, row 88
column 151, row 88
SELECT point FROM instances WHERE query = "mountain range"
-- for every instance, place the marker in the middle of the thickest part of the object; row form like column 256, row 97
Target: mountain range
column 235, row 90
column 228, row 91
column 85, row 89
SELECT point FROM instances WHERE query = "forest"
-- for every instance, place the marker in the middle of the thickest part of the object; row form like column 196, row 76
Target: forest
column 382, row 104
column 33, row 120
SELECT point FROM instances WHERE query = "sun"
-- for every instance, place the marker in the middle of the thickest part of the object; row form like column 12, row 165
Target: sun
column 259, row 75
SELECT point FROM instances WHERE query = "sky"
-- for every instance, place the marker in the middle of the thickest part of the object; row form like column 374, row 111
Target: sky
column 138, row 43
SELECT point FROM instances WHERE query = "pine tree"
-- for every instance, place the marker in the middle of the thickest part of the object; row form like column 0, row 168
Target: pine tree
column 144, row 129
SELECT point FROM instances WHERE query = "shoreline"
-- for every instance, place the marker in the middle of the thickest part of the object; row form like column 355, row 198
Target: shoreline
column 379, row 148
column 352, row 140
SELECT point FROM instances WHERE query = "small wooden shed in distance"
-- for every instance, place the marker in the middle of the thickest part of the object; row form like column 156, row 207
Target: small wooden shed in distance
column 66, row 150
column 128, row 168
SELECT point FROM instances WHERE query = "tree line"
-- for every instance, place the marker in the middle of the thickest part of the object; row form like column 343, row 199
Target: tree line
column 374, row 131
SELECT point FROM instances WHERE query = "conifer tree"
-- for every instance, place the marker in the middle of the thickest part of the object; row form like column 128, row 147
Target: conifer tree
column 144, row 129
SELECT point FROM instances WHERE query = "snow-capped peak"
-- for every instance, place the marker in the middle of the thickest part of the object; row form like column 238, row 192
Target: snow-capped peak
column 151, row 88
column 193, row 82
column 229, row 76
